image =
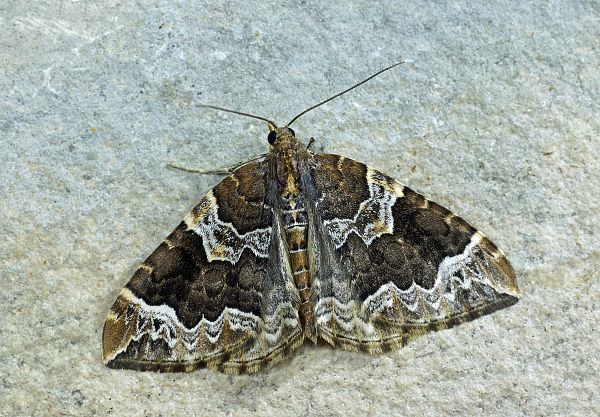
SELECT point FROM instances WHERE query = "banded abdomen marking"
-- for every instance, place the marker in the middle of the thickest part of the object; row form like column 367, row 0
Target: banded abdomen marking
column 296, row 230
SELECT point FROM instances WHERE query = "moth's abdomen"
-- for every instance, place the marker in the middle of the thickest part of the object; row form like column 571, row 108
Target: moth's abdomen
column 295, row 222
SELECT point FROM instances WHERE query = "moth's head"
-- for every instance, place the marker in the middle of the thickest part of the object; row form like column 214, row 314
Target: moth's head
column 280, row 136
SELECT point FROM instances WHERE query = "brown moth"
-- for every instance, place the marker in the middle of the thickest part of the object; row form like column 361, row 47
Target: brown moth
column 299, row 246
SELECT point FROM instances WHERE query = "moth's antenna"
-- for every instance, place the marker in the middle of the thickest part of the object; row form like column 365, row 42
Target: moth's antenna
column 208, row 106
column 343, row 92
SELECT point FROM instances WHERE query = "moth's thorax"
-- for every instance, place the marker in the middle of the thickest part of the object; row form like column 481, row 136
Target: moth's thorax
column 285, row 143
column 288, row 157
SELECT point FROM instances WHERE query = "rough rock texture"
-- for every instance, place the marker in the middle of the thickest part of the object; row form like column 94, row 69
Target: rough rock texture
column 495, row 115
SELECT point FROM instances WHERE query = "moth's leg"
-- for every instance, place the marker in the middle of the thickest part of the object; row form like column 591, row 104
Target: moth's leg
column 311, row 142
column 218, row 171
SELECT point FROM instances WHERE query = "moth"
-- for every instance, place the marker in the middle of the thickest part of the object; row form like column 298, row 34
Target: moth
column 298, row 246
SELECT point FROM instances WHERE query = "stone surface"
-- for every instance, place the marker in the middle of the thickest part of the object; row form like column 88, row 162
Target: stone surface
column 495, row 115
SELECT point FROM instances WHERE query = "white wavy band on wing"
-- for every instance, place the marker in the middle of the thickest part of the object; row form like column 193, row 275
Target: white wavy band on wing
column 161, row 323
column 466, row 272
column 382, row 197
column 221, row 240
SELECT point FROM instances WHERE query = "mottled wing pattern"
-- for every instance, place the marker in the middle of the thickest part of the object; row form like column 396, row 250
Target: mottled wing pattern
column 389, row 264
column 218, row 292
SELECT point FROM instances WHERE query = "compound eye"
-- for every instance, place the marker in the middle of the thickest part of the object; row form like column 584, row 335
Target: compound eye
column 272, row 136
column 292, row 131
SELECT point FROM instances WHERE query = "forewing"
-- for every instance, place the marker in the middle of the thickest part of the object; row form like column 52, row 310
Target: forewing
column 217, row 288
column 390, row 264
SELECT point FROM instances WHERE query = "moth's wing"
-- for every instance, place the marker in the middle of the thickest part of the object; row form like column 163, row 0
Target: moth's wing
column 217, row 292
column 390, row 265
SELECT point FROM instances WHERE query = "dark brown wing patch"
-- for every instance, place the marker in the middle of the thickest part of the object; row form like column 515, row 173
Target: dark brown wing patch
column 178, row 274
column 242, row 199
column 341, row 184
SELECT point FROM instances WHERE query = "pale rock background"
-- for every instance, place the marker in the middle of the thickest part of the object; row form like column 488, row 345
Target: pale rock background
column 495, row 115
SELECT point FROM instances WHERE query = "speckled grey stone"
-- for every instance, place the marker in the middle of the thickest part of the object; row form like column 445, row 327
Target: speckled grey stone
column 495, row 116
